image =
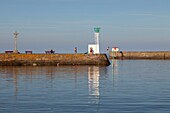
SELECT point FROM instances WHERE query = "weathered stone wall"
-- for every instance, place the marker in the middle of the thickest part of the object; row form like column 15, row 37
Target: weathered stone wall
column 141, row 55
column 53, row 59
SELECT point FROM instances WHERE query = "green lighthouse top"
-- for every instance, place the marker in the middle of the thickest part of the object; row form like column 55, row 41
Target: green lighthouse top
column 97, row 30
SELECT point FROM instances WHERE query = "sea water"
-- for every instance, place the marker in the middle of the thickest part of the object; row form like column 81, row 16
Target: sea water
column 126, row 86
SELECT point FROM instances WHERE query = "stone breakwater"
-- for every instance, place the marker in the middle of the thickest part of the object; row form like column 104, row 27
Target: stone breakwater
column 52, row 59
column 159, row 55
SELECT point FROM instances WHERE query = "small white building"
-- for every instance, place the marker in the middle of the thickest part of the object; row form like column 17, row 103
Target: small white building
column 115, row 49
column 94, row 48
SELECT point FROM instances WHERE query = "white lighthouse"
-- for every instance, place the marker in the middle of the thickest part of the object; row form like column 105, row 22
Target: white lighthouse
column 96, row 36
column 95, row 47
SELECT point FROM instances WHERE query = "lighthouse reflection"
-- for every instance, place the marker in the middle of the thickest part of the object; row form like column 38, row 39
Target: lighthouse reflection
column 93, row 86
column 93, row 80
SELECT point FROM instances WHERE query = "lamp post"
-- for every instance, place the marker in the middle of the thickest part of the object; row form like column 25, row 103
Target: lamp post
column 15, row 42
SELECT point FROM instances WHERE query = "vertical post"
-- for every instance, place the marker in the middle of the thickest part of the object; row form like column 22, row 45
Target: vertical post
column 15, row 42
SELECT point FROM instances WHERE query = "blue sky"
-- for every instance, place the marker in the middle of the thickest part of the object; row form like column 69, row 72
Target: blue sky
column 132, row 25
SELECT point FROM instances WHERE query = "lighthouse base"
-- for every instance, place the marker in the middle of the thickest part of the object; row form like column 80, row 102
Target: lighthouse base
column 94, row 47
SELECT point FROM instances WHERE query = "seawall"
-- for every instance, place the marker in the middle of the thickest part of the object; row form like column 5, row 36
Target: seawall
column 160, row 55
column 52, row 59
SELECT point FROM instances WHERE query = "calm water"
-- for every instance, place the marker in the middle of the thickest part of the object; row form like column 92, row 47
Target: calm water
column 128, row 86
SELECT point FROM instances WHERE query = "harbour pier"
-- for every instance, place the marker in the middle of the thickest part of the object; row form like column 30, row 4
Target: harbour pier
column 157, row 55
column 13, row 59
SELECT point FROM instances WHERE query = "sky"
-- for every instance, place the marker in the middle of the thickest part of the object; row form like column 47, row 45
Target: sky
column 61, row 25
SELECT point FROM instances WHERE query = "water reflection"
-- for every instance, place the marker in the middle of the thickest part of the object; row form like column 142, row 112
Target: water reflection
column 114, row 71
column 93, row 80
column 114, row 67
column 52, row 89
column 16, row 74
column 66, row 82
column 93, row 85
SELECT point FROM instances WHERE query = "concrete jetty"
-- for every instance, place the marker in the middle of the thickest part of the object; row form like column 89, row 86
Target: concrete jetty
column 52, row 59
column 160, row 55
